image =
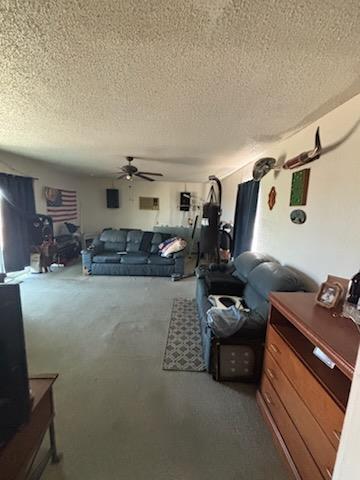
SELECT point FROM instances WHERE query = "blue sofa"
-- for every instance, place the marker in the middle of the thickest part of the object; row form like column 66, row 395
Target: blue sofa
column 130, row 252
column 252, row 276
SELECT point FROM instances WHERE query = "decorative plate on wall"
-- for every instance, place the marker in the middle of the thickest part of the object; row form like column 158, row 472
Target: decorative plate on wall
column 298, row 216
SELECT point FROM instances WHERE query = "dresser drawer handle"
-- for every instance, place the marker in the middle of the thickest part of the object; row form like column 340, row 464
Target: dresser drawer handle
column 337, row 435
column 274, row 348
column 329, row 473
column 267, row 398
column 270, row 373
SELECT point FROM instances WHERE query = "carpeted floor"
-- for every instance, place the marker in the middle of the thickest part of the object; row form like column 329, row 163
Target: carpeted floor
column 119, row 415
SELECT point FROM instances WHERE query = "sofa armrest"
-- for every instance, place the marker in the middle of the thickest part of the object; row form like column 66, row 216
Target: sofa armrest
column 219, row 283
column 97, row 246
column 179, row 262
column 222, row 267
column 87, row 256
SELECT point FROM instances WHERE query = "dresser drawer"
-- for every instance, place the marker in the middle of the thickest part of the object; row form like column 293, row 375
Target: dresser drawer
column 321, row 405
column 323, row 452
column 299, row 453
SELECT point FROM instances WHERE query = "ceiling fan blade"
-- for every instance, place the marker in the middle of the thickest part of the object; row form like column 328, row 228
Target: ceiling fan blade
column 122, row 176
column 151, row 173
column 138, row 174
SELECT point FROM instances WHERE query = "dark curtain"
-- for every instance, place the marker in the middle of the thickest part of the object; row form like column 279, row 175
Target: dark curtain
column 246, row 203
column 18, row 207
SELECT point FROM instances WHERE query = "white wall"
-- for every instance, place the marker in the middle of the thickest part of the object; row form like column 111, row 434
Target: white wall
column 93, row 214
column 329, row 240
column 348, row 462
column 96, row 216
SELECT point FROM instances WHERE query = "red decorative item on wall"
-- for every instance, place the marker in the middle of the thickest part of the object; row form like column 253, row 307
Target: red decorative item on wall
column 272, row 198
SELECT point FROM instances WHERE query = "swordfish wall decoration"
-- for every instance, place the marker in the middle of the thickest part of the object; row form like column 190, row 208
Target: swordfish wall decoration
column 318, row 150
column 263, row 166
column 306, row 157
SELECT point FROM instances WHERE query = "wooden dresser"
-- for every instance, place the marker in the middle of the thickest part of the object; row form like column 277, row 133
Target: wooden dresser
column 302, row 399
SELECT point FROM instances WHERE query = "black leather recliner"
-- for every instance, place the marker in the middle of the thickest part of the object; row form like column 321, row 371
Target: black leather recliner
column 252, row 276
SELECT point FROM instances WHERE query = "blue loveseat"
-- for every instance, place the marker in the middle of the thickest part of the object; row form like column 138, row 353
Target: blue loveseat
column 130, row 252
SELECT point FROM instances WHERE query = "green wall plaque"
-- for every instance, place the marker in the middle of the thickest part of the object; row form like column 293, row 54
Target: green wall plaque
column 299, row 187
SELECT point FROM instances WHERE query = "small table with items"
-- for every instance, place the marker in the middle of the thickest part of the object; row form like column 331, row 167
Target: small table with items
column 19, row 454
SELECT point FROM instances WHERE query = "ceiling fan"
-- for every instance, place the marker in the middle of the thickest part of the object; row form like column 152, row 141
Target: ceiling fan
column 129, row 171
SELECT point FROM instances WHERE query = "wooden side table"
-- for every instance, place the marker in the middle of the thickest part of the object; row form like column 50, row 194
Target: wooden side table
column 17, row 457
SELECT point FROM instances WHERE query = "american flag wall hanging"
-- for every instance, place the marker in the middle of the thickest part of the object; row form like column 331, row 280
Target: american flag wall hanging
column 61, row 204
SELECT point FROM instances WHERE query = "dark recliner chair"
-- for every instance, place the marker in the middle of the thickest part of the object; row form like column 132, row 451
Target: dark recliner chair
column 251, row 276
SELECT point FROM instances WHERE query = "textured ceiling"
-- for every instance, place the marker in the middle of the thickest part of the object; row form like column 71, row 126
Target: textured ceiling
column 197, row 85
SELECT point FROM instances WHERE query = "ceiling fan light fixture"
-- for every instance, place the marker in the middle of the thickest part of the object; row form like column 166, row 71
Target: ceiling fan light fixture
column 129, row 172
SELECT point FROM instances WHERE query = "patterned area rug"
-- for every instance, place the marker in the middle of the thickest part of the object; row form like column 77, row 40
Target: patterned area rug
column 183, row 347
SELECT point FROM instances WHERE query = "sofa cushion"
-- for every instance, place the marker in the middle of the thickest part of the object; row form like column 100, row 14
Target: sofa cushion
column 133, row 240
column 114, row 236
column 273, row 277
column 127, row 269
column 220, row 283
column 114, row 240
column 157, row 239
column 138, row 258
column 158, row 260
column 115, row 247
column 246, row 262
column 145, row 244
column 107, row 258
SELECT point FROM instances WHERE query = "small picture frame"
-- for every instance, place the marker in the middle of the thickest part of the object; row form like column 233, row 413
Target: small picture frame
column 344, row 282
column 329, row 294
